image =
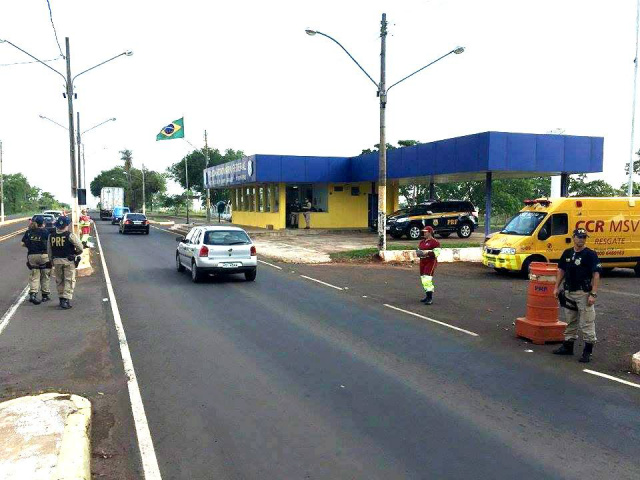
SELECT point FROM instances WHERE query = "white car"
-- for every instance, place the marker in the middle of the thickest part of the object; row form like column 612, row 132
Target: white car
column 207, row 250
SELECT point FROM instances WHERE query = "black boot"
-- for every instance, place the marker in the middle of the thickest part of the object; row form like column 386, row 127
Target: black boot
column 45, row 297
column 426, row 297
column 586, row 353
column 565, row 349
column 65, row 304
column 429, row 299
column 33, row 298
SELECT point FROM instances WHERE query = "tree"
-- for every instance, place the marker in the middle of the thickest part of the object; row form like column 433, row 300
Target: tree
column 114, row 177
column 580, row 187
column 155, row 183
column 21, row 197
column 197, row 163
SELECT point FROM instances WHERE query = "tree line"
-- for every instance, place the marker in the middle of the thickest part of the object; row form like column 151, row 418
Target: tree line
column 22, row 197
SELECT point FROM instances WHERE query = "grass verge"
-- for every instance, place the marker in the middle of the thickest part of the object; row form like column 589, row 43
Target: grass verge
column 367, row 254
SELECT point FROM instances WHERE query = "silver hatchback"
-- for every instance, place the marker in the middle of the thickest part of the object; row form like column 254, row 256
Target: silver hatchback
column 207, row 250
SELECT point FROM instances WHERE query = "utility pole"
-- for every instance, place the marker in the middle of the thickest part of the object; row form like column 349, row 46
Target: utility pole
column 633, row 104
column 144, row 207
column 186, row 175
column 382, row 167
column 79, row 140
column 206, row 157
column 72, row 143
column 1, row 187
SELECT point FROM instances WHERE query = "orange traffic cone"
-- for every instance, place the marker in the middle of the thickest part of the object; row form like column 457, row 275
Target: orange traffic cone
column 541, row 323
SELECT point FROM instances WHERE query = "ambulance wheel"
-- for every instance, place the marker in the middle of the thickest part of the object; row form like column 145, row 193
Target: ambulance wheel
column 525, row 265
column 637, row 270
column 414, row 232
column 465, row 230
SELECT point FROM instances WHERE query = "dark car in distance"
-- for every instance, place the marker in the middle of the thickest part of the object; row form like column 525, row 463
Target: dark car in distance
column 134, row 222
column 49, row 221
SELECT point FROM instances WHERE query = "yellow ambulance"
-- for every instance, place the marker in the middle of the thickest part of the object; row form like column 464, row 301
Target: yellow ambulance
column 543, row 229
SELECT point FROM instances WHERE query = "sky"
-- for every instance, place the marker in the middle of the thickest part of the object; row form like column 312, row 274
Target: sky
column 248, row 74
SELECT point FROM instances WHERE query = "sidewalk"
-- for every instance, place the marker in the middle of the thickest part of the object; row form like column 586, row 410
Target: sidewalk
column 46, row 349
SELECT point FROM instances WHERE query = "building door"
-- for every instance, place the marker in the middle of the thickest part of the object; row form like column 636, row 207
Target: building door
column 373, row 211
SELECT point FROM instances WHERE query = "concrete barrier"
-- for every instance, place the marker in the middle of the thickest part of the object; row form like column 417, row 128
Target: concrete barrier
column 447, row 255
column 14, row 220
column 635, row 363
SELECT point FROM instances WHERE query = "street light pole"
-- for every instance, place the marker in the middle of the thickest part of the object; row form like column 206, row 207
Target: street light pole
column 144, row 203
column 382, row 94
column 1, row 187
column 633, row 104
column 72, row 143
column 186, row 175
column 79, row 163
column 206, row 159
column 382, row 158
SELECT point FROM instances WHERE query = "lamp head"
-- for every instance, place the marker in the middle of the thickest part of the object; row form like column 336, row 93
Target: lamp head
column 458, row 50
column 310, row 32
column 128, row 53
column 41, row 116
column 113, row 119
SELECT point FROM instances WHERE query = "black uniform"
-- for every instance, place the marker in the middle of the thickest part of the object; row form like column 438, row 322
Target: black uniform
column 579, row 268
column 38, row 262
column 36, row 241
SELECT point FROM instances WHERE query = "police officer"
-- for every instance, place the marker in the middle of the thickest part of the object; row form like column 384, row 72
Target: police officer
column 428, row 251
column 63, row 248
column 580, row 269
column 306, row 212
column 38, row 260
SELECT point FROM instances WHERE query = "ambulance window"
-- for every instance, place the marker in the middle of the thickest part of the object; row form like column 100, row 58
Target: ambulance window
column 560, row 224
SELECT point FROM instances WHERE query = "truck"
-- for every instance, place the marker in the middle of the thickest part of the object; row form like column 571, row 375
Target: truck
column 110, row 197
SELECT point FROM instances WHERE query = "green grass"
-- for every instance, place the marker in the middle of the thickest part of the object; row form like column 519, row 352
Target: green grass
column 368, row 253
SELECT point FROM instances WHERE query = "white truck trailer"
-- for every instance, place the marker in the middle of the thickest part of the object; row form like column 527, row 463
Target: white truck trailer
column 110, row 197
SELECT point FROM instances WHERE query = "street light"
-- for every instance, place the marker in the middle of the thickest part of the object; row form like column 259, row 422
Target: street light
column 382, row 94
column 68, row 81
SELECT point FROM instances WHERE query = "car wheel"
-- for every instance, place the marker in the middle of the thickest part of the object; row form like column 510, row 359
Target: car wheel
column 146, row 232
column 445, row 234
column 179, row 266
column 414, row 232
column 195, row 273
column 465, row 230
column 251, row 275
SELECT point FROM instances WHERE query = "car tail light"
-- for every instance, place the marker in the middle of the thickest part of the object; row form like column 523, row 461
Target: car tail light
column 204, row 251
column 146, row 222
column 128, row 222
column 253, row 251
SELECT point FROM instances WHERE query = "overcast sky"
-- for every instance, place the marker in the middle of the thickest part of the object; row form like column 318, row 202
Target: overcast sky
column 247, row 72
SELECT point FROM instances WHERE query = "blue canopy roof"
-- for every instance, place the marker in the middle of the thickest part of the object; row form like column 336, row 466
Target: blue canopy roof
column 506, row 155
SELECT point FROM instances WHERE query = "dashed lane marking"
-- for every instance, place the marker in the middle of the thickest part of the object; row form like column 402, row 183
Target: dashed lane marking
column 323, row 283
column 145, row 443
column 610, row 377
column 270, row 264
column 6, row 318
column 468, row 332
column 9, row 235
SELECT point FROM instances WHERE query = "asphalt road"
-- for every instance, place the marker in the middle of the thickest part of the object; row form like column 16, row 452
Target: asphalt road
column 285, row 378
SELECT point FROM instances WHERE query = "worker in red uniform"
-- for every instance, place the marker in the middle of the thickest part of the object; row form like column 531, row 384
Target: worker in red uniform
column 428, row 251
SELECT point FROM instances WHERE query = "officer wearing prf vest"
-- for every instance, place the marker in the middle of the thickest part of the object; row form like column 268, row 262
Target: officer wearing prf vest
column 38, row 261
column 63, row 248
column 579, row 268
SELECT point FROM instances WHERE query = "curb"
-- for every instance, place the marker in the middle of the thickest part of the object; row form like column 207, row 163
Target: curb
column 46, row 436
column 15, row 220
column 635, row 363
column 447, row 255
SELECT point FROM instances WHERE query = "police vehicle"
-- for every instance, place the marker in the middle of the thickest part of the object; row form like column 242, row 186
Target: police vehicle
column 446, row 217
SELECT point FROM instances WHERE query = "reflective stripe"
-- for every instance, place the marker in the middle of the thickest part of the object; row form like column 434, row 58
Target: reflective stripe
column 436, row 252
column 427, row 283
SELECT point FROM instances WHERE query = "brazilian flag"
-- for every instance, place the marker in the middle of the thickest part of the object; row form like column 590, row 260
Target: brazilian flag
column 174, row 130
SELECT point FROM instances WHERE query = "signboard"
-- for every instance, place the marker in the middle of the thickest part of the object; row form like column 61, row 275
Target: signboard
column 231, row 173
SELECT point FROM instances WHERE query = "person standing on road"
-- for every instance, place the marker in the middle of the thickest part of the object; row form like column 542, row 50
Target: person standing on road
column 63, row 248
column 580, row 269
column 85, row 226
column 38, row 261
column 306, row 212
column 428, row 251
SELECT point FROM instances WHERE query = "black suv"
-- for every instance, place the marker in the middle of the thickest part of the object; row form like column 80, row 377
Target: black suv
column 445, row 217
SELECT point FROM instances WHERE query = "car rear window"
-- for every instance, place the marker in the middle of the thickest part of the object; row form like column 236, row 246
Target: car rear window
column 136, row 216
column 226, row 237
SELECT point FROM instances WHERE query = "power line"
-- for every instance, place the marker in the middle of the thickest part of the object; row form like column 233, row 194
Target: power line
column 25, row 63
column 54, row 29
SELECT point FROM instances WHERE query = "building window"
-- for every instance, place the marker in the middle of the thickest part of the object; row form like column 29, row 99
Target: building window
column 261, row 199
column 355, row 191
column 276, row 198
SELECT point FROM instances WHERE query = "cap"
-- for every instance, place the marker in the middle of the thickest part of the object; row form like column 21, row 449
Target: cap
column 428, row 228
column 62, row 222
column 580, row 233
column 39, row 219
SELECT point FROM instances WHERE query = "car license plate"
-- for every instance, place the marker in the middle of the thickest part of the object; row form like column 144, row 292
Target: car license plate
column 230, row 265
column 137, row 223
column 491, row 265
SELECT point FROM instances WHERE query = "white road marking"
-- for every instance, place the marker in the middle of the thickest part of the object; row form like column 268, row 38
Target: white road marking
column 6, row 318
column 432, row 320
column 271, row 265
column 320, row 281
column 617, row 292
column 609, row 377
column 145, row 443
column 9, row 235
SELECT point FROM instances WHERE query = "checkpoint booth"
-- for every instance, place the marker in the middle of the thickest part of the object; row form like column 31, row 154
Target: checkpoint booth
column 265, row 190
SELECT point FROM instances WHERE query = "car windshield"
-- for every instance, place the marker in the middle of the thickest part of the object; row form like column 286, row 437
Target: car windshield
column 226, row 237
column 136, row 216
column 524, row 223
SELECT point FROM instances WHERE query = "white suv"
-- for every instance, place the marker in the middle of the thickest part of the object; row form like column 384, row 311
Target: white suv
column 216, row 250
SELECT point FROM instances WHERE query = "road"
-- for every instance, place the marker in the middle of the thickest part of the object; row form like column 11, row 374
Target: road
column 288, row 378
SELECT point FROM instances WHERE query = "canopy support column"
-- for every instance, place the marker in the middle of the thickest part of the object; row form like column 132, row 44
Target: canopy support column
column 564, row 185
column 487, row 205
